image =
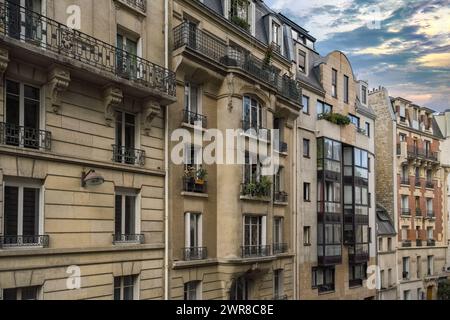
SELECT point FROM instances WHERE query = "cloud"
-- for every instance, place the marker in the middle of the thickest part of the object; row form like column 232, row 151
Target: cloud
column 439, row 60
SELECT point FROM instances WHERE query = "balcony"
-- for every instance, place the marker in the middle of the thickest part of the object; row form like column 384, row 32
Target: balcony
column 280, row 197
column 255, row 251
column 406, row 212
column 193, row 118
column 359, row 253
column 194, row 185
column 256, row 130
column 128, row 155
column 26, row 28
column 280, row 248
column 195, row 253
column 40, row 241
column 128, row 238
column 140, row 5
column 419, row 243
column 406, row 244
column 430, row 185
column 430, row 215
column 275, row 47
column 326, row 288
column 31, row 138
column 431, row 243
column 234, row 57
column 405, row 181
column 260, row 189
column 281, row 147
column 418, row 213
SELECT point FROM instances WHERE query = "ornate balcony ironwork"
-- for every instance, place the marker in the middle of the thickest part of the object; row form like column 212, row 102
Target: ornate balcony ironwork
column 128, row 238
column 431, row 243
column 13, row 135
column 406, row 244
column 406, row 212
column 430, row 185
column 419, row 243
column 405, row 181
column 24, row 241
column 430, row 215
column 40, row 31
column 193, row 185
column 140, row 5
column 237, row 57
column 280, row 197
column 128, row 155
column 195, row 253
column 255, row 251
column 279, row 248
column 194, row 118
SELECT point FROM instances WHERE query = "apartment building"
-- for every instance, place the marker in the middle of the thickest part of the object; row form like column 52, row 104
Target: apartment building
column 82, row 171
column 231, row 224
column 386, row 256
column 334, row 172
column 411, row 184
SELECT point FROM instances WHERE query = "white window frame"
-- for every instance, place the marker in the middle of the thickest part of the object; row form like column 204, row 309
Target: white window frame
column 39, row 294
column 259, row 111
column 306, row 61
column 278, row 223
column 188, row 95
column 137, row 209
column 278, row 283
column 261, row 229
column 136, row 286
column 199, row 227
column 137, row 128
column 139, row 47
column 197, row 289
column 21, row 186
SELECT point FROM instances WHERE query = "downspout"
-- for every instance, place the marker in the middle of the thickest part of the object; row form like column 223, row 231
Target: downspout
column 296, row 212
column 166, row 159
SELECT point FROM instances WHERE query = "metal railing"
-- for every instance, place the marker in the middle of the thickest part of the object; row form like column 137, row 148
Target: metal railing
column 255, row 189
column 128, row 238
column 40, row 31
column 431, row 243
column 405, row 181
column 192, row 185
column 255, row 251
column 233, row 56
column 279, row 248
column 418, row 212
column 13, row 135
column 406, row 212
column 281, row 146
column 193, row 118
column 430, row 214
column 140, row 5
column 24, row 241
column 419, row 243
column 406, row 244
column 195, row 253
column 128, row 155
column 418, row 183
column 255, row 129
column 280, row 197
column 430, row 185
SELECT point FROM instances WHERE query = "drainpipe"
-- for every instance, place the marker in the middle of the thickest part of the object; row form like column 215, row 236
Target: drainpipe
column 166, row 159
column 296, row 213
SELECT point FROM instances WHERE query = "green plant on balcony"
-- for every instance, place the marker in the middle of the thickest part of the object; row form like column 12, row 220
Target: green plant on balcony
column 336, row 118
column 258, row 189
column 268, row 56
column 240, row 22
column 200, row 176
column 239, row 13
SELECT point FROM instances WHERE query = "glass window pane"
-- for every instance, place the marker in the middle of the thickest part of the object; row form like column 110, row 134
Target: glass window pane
column 130, row 227
column 30, row 212
column 11, row 207
column 118, row 215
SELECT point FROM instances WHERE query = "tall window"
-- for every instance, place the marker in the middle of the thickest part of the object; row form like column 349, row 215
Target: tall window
column 307, row 236
column 22, row 214
column 22, row 110
column 419, row 267
column 364, row 94
column 390, row 244
column 302, row 61
column 430, row 265
column 25, row 293
column 306, row 148
column 125, row 217
column 407, row 295
column 307, row 192
column 125, row 138
column 323, row 279
column 305, row 102
column 252, row 115
column 323, row 108
column 405, row 205
column 252, row 168
column 254, row 235
column 241, row 288
column 278, row 287
column 24, row 25
column 430, row 211
column 191, row 98
column 430, row 233
column 406, row 273
column 334, row 83
column 192, row 290
column 278, row 231
column 127, row 52
column 279, row 180
column 346, row 83
column 125, row 287
column 194, row 225
column 276, row 33
column 367, row 128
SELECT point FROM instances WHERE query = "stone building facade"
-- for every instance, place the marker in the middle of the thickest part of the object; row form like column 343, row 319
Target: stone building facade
column 82, row 172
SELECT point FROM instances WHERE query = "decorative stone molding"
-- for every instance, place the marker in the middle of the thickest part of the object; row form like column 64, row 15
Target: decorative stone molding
column 112, row 98
column 4, row 60
column 151, row 109
column 230, row 83
column 59, row 80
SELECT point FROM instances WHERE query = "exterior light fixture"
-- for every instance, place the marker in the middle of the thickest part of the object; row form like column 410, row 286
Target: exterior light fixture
column 91, row 178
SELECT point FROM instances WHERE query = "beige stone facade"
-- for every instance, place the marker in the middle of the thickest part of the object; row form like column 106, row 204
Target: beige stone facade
column 67, row 98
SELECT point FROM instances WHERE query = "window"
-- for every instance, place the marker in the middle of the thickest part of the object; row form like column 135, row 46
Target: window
column 346, row 83
column 240, row 289
column 382, row 281
column 192, row 290
column 307, row 236
column 427, row 145
column 323, row 108
column 127, row 56
column 429, row 176
column 306, row 148
column 405, row 174
column 354, row 119
column 364, row 94
column 307, row 192
column 278, row 231
column 405, row 205
column 252, row 115
column 368, row 129
column 389, row 277
column 22, row 214
column 407, row 295
column 430, row 233
column 125, row 218
column 254, row 237
column 26, row 293
column 430, row 212
column 419, row 267
column 276, row 33
column 357, row 273
column 404, row 233
column 419, row 294
column 25, row 26
column 302, row 61
column 323, row 279
column 279, row 181
column 405, row 274
column 430, row 265
column 278, row 287
column 390, row 244
column 126, row 138
column 239, row 9
column 191, row 103
column 334, row 83
column 193, row 227
column 22, row 116
column 380, row 245
column 252, row 168
column 125, row 288
column 305, row 102
column 402, row 137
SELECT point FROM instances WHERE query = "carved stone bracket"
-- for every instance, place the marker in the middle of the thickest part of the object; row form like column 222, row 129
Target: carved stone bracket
column 112, row 98
column 151, row 109
column 4, row 60
column 59, row 80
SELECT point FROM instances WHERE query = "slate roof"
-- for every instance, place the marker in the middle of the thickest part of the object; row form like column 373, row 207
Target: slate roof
column 385, row 226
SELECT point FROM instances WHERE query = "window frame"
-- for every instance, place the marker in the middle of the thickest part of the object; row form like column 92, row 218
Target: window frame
column 334, row 83
column 135, row 287
column 198, row 229
column 135, row 197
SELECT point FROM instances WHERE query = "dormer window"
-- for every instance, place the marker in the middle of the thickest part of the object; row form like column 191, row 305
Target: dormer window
column 364, row 95
column 239, row 13
column 276, row 35
column 302, row 61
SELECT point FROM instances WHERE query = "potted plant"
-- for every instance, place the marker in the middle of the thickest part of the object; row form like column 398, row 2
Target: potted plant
column 200, row 176
column 264, row 186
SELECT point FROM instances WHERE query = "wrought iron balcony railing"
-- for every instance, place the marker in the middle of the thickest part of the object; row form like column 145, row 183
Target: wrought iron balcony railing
column 27, row 26
column 128, row 155
column 406, row 212
column 255, row 129
column 281, row 146
column 24, row 241
column 195, row 253
column 193, row 185
column 194, row 118
column 19, row 136
column 280, row 197
column 431, row 215
column 430, row 185
column 431, row 243
column 406, row 243
column 405, row 181
column 280, row 248
column 419, row 243
column 128, row 238
column 255, row 251
column 232, row 56
column 418, row 212
column 140, row 5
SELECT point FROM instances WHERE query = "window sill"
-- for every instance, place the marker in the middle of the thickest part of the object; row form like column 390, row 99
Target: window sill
column 194, row 194
column 250, row 198
column 284, row 154
column 307, row 244
column 136, row 10
column 191, row 126
column 251, row 136
column 281, row 204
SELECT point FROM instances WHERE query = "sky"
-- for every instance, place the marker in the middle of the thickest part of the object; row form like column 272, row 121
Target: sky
column 403, row 45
